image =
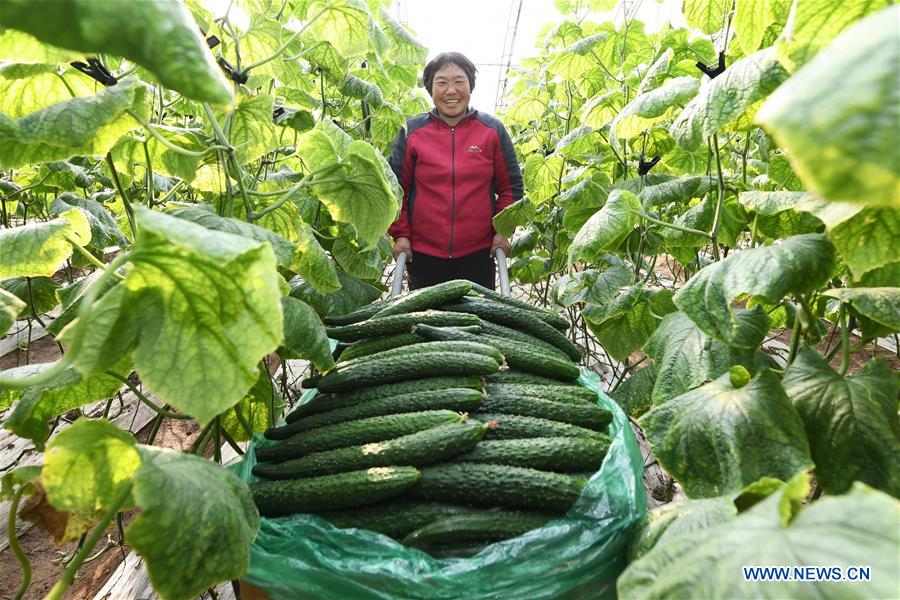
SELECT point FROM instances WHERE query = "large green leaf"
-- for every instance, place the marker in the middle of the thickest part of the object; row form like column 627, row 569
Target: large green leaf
column 159, row 35
column 250, row 128
column 130, row 156
column 799, row 264
column 852, row 425
column 20, row 47
column 82, row 126
column 39, row 248
column 867, row 240
column 719, row 438
column 725, row 99
column 840, row 115
column 343, row 23
column 591, row 285
column 855, row 529
column 312, row 263
column 405, row 49
column 634, row 394
column 542, row 175
column 35, row 406
column 671, row 520
column 96, row 455
column 104, row 229
column 601, row 109
column 304, row 334
column 350, row 295
column 10, row 307
column 515, row 215
column 685, row 357
column 357, row 87
column 26, row 88
column 653, row 107
column 624, row 322
column 580, row 202
column 174, row 489
column 204, row 307
column 678, row 190
column 880, row 304
column 817, row 22
column 203, row 215
column 38, row 293
column 751, row 19
column 606, row 229
column 575, row 60
column 706, row 15
column 253, row 410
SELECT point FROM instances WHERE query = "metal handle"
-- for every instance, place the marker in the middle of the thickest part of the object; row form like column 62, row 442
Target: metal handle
column 397, row 286
column 504, row 274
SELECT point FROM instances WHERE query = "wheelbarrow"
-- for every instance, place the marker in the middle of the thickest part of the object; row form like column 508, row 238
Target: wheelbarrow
column 400, row 269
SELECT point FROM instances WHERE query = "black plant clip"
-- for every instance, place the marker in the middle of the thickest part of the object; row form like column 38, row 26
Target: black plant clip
column 277, row 112
column 231, row 72
column 212, row 41
column 713, row 72
column 96, row 70
column 644, row 166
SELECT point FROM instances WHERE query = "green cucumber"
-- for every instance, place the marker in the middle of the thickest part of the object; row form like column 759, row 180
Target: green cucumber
column 496, row 330
column 544, row 314
column 380, row 344
column 497, row 485
column 457, row 399
column 514, row 376
column 487, row 527
column 360, row 314
column 416, row 449
column 511, row 427
column 429, row 346
column 373, row 429
column 320, row 403
column 589, row 416
column 399, row 324
column 516, row 318
column 573, row 394
column 518, row 355
column 544, row 453
column 331, row 492
column 425, row 298
column 395, row 518
column 400, row 368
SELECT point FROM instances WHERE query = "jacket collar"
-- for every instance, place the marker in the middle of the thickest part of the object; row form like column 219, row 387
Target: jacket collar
column 436, row 116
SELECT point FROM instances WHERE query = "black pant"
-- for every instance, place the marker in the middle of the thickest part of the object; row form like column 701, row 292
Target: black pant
column 427, row 270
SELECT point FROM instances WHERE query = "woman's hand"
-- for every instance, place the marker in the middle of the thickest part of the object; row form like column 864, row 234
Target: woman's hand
column 500, row 242
column 402, row 244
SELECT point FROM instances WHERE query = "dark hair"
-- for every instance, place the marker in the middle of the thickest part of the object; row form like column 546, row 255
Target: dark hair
column 448, row 58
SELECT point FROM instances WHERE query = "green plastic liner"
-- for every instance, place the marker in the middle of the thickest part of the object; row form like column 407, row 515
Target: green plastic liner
column 576, row 556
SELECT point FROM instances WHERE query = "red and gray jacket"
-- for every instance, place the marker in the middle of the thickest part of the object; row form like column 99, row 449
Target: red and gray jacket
column 454, row 179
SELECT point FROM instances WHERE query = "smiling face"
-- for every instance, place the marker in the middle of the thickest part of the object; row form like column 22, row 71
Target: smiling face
column 450, row 93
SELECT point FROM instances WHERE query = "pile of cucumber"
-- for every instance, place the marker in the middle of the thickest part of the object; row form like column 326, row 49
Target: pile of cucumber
column 451, row 421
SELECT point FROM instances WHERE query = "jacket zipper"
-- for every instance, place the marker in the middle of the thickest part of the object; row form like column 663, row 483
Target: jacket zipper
column 452, row 186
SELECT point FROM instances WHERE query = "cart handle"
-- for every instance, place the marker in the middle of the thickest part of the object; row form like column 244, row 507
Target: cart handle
column 400, row 269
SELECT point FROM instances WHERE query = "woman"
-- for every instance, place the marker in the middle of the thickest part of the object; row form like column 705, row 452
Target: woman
column 458, row 169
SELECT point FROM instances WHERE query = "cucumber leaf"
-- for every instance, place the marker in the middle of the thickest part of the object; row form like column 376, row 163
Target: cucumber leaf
column 515, row 215
column 624, row 322
column 10, row 308
column 606, row 228
column 725, row 99
column 541, row 175
column 717, row 439
column 706, row 15
column 39, row 248
column 350, row 295
column 634, row 394
column 342, row 23
column 311, row 262
column 159, row 35
column 880, row 304
column 799, row 264
column 678, row 190
column 708, row 563
column 852, row 425
column 653, row 107
column 35, row 406
column 38, row 293
column 840, row 118
column 173, row 490
column 80, row 126
column 671, row 520
column 304, row 334
column 129, row 157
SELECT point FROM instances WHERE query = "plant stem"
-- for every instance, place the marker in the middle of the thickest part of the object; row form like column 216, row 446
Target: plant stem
column 14, row 543
column 845, row 341
column 174, row 148
column 91, row 258
column 669, row 225
column 125, row 202
column 720, row 198
column 68, row 577
column 160, row 411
